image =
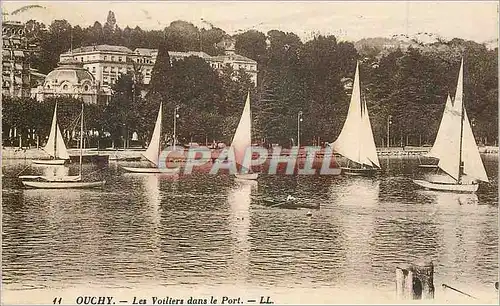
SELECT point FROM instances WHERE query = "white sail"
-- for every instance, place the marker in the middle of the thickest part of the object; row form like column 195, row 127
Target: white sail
column 449, row 162
column 55, row 146
column 355, row 141
column 473, row 165
column 153, row 151
column 368, row 144
column 243, row 136
column 440, row 147
column 61, row 152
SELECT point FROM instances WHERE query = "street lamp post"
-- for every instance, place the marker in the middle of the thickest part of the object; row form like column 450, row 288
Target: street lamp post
column 389, row 122
column 176, row 115
column 299, row 120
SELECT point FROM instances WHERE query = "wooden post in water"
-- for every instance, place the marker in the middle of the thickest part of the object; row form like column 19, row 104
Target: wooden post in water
column 415, row 281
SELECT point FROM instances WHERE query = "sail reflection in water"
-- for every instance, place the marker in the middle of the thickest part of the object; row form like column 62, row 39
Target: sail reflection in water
column 152, row 215
column 239, row 199
column 357, row 200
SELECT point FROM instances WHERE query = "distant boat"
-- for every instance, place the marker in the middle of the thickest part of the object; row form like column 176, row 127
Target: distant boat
column 456, row 149
column 242, row 140
column 355, row 141
column 55, row 146
column 62, row 182
column 153, row 151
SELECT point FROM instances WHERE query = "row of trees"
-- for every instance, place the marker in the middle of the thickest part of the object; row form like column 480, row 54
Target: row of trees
column 408, row 84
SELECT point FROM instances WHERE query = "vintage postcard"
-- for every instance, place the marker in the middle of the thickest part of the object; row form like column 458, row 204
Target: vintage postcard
column 249, row 152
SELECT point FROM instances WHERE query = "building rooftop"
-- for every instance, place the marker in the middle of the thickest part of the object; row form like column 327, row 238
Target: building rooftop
column 108, row 48
column 144, row 51
column 233, row 57
column 70, row 73
column 188, row 53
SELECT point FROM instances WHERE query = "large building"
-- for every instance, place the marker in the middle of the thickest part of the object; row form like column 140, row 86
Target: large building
column 16, row 78
column 71, row 80
column 107, row 63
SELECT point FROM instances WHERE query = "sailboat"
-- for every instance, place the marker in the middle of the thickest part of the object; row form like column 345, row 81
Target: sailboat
column 242, row 140
column 456, row 148
column 153, row 151
column 355, row 141
column 436, row 150
column 55, row 145
column 62, row 182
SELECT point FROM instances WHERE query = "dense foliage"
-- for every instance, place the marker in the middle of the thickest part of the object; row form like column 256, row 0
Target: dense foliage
column 408, row 82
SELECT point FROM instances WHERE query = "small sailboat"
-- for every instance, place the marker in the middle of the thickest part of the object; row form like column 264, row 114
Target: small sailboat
column 242, row 140
column 55, row 145
column 153, row 151
column 456, row 149
column 62, row 182
column 355, row 141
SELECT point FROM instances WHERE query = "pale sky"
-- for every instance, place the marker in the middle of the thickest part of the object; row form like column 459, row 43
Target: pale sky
column 475, row 20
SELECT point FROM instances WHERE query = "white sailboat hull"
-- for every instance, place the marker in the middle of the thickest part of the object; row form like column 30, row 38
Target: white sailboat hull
column 62, row 185
column 468, row 188
column 68, row 178
column 247, row 176
column 49, row 161
column 151, row 170
column 428, row 166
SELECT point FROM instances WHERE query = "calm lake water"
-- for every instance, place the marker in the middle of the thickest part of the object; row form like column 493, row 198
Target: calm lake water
column 204, row 231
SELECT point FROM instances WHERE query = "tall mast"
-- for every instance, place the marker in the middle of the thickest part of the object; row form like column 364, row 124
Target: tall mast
column 55, row 134
column 161, row 119
column 460, row 168
column 81, row 141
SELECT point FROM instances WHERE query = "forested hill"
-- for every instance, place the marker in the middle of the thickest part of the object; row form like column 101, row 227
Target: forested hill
column 407, row 79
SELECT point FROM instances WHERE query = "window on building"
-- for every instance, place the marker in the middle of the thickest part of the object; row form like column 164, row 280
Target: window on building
column 105, row 57
column 112, row 58
column 119, row 58
column 86, row 87
column 93, row 69
column 65, row 87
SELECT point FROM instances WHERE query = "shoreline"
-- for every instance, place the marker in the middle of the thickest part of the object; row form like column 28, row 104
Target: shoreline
column 131, row 153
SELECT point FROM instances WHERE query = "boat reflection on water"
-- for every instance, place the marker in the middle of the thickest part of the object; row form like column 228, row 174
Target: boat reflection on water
column 441, row 198
column 356, row 192
column 467, row 237
column 239, row 200
column 356, row 200
column 57, row 171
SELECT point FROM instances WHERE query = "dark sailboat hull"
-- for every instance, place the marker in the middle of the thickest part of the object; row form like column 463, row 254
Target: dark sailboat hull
column 359, row 171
